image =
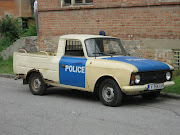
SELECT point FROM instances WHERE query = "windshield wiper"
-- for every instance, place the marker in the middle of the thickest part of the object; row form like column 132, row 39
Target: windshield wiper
column 111, row 52
column 108, row 54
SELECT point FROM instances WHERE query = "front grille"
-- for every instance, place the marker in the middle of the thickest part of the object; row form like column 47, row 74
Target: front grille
column 152, row 77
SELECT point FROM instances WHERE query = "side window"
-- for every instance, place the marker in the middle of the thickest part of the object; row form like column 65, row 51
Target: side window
column 74, row 48
column 74, row 2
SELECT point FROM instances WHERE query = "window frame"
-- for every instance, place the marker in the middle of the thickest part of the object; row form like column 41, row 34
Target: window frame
column 176, row 54
column 73, row 3
column 120, row 45
column 73, row 49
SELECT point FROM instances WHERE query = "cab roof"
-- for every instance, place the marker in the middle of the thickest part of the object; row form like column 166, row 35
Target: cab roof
column 83, row 36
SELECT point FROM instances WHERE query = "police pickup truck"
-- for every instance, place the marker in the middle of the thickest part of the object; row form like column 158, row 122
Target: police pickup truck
column 93, row 63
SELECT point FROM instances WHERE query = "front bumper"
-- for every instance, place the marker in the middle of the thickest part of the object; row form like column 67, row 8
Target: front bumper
column 138, row 89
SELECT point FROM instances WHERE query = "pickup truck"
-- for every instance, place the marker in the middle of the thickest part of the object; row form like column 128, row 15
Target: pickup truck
column 93, row 63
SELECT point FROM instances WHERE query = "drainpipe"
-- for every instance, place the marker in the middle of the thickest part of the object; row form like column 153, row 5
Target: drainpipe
column 32, row 7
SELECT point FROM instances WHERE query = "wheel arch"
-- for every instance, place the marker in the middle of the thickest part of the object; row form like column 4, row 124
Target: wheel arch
column 100, row 80
column 26, row 80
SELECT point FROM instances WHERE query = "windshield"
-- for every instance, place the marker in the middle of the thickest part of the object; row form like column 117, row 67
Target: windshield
column 104, row 47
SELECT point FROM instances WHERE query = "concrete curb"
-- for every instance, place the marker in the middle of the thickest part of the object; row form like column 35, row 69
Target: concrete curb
column 163, row 94
column 7, row 76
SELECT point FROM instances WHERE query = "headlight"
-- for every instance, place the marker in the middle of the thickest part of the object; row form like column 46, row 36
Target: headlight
column 168, row 76
column 137, row 79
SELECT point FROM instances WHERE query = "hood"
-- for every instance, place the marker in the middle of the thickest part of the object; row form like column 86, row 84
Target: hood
column 142, row 64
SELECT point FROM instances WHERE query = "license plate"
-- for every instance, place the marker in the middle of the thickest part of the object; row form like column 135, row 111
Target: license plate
column 156, row 86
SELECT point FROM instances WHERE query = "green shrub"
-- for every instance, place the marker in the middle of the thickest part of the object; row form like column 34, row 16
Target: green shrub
column 31, row 31
column 11, row 30
column 4, row 43
column 11, row 27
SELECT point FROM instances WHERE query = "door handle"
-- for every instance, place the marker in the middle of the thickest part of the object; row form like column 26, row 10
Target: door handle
column 62, row 66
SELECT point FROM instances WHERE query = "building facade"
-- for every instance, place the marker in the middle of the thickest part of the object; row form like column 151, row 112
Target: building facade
column 16, row 8
column 147, row 28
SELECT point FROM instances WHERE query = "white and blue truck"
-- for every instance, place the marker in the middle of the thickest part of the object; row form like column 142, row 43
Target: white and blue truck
column 93, row 63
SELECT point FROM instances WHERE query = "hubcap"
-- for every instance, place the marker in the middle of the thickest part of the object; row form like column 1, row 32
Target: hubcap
column 108, row 93
column 36, row 84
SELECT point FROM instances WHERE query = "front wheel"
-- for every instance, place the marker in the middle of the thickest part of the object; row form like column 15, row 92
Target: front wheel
column 37, row 84
column 110, row 94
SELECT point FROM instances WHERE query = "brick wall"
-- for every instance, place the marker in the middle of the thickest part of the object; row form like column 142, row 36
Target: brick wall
column 55, row 4
column 131, row 22
column 17, row 8
column 125, row 19
column 125, row 23
column 129, row 3
column 26, row 8
column 8, row 7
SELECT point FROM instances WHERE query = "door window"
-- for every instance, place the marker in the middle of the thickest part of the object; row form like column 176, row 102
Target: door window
column 74, row 48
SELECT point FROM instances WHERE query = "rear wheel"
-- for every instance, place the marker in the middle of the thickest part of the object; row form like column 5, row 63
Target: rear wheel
column 110, row 93
column 151, row 95
column 37, row 84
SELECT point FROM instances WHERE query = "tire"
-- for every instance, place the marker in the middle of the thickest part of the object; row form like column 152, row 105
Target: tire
column 151, row 95
column 109, row 93
column 37, row 84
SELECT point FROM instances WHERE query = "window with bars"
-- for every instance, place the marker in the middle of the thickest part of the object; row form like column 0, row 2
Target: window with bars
column 74, row 48
column 74, row 2
column 177, row 59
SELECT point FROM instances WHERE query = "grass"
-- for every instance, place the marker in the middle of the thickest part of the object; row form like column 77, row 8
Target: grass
column 175, row 88
column 6, row 66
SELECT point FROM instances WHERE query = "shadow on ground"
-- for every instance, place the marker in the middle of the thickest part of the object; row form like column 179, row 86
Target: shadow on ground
column 87, row 96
